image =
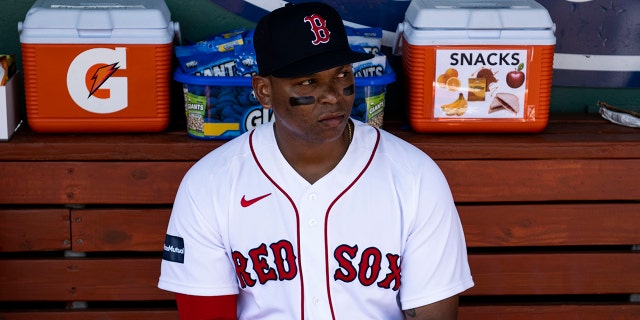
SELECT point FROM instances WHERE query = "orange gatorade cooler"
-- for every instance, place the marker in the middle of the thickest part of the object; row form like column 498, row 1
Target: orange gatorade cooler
column 477, row 66
column 95, row 66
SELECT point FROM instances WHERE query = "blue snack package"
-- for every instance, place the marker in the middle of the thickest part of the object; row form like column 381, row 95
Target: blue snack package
column 226, row 54
column 368, row 38
column 225, row 41
column 216, row 64
column 373, row 67
column 246, row 64
column 195, row 58
column 218, row 43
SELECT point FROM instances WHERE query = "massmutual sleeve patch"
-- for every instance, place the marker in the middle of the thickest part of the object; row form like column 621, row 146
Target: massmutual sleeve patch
column 173, row 249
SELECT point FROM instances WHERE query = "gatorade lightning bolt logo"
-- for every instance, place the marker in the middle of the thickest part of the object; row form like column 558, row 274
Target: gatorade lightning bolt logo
column 319, row 28
column 99, row 65
column 101, row 76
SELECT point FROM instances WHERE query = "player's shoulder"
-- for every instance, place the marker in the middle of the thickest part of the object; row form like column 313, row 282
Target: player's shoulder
column 392, row 145
column 223, row 158
column 400, row 154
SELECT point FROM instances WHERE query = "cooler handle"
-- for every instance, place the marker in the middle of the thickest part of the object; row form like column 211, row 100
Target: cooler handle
column 397, row 43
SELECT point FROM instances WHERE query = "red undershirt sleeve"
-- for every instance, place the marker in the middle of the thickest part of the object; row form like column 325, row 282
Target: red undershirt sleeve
column 206, row 307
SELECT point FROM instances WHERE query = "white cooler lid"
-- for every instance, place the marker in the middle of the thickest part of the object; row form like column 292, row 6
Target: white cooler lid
column 98, row 21
column 478, row 14
column 476, row 22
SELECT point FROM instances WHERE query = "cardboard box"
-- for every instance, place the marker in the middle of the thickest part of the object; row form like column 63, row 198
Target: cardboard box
column 95, row 66
column 10, row 100
column 475, row 66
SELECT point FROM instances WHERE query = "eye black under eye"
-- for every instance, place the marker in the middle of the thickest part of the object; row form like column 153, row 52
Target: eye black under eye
column 350, row 90
column 298, row 101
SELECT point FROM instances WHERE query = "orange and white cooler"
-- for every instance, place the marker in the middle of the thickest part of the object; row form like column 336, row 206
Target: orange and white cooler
column 477, row 66
column 95, row 66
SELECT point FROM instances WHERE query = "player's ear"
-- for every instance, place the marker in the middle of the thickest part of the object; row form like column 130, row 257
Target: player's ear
column 262, row 90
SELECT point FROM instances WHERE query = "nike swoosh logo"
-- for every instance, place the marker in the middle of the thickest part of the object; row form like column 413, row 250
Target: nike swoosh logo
column 247, row 202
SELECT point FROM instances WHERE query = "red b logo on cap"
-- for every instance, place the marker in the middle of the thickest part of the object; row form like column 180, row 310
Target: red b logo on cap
column 319, row 28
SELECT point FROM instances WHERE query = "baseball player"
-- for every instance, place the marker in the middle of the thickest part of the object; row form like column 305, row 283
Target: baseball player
column 315, row 215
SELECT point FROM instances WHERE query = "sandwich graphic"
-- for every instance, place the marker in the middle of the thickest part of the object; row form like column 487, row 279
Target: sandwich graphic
column 505, row 101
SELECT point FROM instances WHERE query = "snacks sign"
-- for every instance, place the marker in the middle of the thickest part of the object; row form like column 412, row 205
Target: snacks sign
column 480, row 83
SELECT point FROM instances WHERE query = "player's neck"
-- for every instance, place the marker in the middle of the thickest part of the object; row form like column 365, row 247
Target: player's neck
column 314, row 160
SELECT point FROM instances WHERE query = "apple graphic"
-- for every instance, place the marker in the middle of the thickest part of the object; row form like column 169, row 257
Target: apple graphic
column 515, row 78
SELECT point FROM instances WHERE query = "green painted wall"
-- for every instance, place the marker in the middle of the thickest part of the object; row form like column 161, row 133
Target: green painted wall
column 201, row 18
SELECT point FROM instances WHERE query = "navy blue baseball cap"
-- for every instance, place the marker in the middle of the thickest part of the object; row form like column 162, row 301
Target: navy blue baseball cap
column 302, row 39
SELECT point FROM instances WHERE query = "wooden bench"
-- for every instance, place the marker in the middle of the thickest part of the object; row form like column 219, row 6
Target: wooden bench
column 552, row 220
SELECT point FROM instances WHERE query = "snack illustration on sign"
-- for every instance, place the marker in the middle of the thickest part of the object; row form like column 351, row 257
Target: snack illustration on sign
column 477, row 89
column 492, row 84
column 449, row 80
column 488, row 75
column 7, row 67
column 457, row 107
column 515, row 79
column 505, row 101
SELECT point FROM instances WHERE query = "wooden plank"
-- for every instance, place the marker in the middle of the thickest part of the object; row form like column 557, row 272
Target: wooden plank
column 171, row 145
column 485, row 312
column 91, row 314
column 88, row 279
column 588, row 137
column 119, row 229
column 543, row 180
column 91, row 182
column 34, row 230
column 484, row 226
column 134, row 279
column 471, row 181
column 550, row 312
column 561, row 140
column 555, row 273
column 551, row 224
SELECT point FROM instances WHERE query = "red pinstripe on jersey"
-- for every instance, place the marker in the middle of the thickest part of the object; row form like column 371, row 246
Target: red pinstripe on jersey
column 326, row 218
column 328, row 277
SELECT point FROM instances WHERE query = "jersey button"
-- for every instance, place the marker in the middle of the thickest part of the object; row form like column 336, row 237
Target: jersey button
column 316, row 301
column 313, row 222
column 313, row 196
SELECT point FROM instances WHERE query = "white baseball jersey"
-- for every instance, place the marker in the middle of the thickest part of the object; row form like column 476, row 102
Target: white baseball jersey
column 378, row 234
